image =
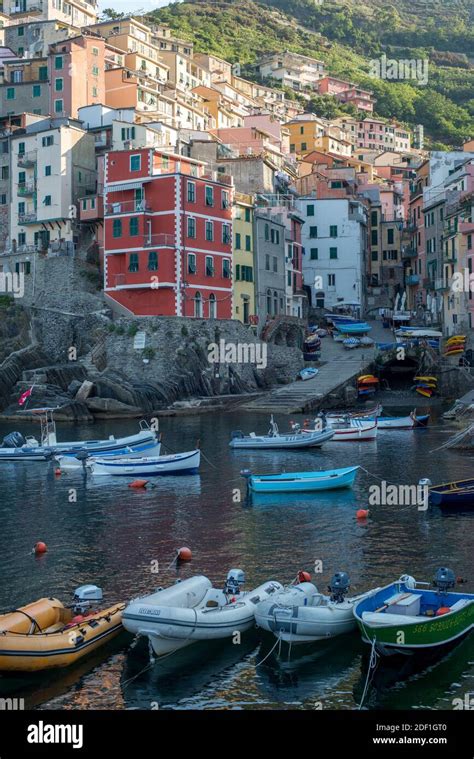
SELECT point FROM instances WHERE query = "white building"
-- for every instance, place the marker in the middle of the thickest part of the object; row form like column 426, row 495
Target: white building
column 334, row 238
column 75, row 12
column 52, row 165
column 293, row 70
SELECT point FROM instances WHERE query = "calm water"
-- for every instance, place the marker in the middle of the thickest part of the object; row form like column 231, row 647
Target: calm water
column 111, row 535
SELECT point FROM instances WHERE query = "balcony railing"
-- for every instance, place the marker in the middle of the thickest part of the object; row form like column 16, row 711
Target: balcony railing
column 35, row 7
column 159, row 241
column 27, row 218
column 28, row 159
column 26, row 188
column 441, row 283
column 128, row 206
column 409, row 252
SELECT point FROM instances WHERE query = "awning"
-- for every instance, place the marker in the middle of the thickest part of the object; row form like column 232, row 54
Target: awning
column 124, row 186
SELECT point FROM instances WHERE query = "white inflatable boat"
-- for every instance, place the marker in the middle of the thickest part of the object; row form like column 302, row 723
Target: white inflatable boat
column 300, row 614
column 193, row 610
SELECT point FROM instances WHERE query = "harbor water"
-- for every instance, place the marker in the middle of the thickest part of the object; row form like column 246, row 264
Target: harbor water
column 98, row 530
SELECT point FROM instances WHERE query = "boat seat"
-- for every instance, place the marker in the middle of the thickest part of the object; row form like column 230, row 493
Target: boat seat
column 252, row 434
column 460, row 604
column 58, row 627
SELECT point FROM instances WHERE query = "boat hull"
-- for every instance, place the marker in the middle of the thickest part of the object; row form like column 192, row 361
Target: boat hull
column 23, row 652
column 177, row 464
column 300, row 440
column 70, row 462
column 294, row 482
column 392, row 633
column 186, row 617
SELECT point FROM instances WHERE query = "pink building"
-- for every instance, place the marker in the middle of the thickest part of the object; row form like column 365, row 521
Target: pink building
column 76, row 69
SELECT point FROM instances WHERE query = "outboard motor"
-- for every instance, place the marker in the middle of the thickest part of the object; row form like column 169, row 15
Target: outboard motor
column 444, row 580
column 13, row 440
column 339, row 586
column 234, row 581
column 85, row 596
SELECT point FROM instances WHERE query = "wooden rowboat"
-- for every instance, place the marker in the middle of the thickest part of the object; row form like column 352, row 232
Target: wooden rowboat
column 301, row 482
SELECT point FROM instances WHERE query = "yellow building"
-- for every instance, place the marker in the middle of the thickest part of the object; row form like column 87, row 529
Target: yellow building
column 243, row 256
column 304, row 134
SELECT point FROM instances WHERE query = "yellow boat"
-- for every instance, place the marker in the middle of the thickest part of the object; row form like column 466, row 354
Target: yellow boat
column 45, row 634
column 455, row 339
column 427, row 379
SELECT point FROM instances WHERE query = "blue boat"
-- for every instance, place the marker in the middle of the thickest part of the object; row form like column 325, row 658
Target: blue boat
column 354, row 329
column 301, row 482
column 452, row 495
column 308, row 373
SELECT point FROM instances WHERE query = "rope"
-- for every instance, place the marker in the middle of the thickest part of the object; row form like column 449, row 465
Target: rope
column 278, row 641
column 370, row 670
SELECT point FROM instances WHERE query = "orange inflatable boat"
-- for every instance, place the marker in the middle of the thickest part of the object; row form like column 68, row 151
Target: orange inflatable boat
column 46, row 634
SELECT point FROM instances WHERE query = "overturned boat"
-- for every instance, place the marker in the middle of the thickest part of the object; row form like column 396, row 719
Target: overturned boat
column 46, row 634
column 193, row 610
column 301, row 614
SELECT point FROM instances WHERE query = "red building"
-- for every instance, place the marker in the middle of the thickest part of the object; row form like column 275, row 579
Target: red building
column 167, row 235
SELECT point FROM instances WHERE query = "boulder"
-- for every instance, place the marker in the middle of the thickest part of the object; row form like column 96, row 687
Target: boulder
column 73, row 387
column 84, row 391
column 112, row 409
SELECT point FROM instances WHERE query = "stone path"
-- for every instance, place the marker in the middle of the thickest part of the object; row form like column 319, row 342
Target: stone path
column 341, row 366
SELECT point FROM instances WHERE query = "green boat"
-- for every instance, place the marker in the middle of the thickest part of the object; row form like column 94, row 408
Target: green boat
column 404, row 618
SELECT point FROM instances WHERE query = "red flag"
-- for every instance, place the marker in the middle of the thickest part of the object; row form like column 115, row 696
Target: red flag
column 23, row 398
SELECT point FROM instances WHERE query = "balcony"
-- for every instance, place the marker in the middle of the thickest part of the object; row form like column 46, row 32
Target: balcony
column 412, row 279
column 127, row 206
column 408, row 252
column 27, row 160
column 159, row 241
column 27, row 218
column 428, row 283
column 26, row 188
column 22, row 9
column 441, row 284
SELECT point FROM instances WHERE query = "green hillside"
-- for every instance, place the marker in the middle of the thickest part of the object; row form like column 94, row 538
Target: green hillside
column 346, row 35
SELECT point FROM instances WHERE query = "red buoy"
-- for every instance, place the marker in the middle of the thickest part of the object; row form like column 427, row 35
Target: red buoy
column 138, row 484
column 40, row 548
column 184, row 554
column 58, row 471
column 304, row 576
column 362, row 513
column 443, row 610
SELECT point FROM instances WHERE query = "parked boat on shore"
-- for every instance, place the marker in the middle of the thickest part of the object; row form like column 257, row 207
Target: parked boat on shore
column 301, row 482
column 301, row 614
column 402, row 618
column 193, row 610
column 46, row 634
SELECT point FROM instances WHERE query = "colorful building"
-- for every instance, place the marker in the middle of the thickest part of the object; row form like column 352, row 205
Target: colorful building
column 167, row 236
column 244, row 259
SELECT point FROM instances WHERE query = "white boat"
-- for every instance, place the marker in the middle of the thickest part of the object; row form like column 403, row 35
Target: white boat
column 340, row 416
column 15, row 447
column 78, row 461
column 301, row 614
column 193, row 610
column 274, row 439
column 350, row 430
column 122, row 466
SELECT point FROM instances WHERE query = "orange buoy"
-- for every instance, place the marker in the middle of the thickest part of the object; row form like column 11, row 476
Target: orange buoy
column 443, row 610
column 304, row 576
column 58, row 471
column 138, row 484
column 362, row 513
column 40, row 548
column 184, row 554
